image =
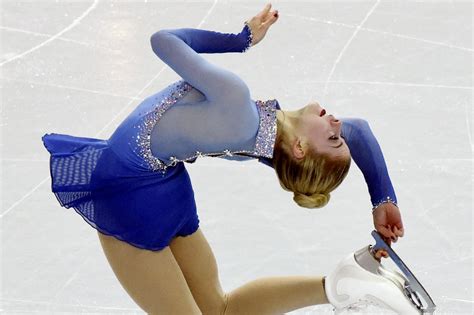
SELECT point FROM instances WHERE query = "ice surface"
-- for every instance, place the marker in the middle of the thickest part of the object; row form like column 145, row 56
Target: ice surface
column 79, row 67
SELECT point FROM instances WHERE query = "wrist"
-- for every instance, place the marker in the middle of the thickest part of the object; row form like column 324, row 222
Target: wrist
column 248, row 36
column 387, row 199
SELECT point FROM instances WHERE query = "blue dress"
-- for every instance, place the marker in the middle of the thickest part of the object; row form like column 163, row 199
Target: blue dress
column 134, row 185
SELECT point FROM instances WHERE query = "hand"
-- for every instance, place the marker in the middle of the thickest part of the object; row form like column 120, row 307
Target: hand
column 260, row 23
column 388, row 222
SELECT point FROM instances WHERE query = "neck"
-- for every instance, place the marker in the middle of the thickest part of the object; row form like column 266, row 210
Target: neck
column 288, row 120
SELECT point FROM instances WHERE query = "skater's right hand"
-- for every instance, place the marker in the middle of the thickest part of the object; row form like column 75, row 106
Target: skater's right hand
column 388, row 222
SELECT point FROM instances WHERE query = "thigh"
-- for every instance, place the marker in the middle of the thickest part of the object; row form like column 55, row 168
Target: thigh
column 198, row 264
column 152, row 278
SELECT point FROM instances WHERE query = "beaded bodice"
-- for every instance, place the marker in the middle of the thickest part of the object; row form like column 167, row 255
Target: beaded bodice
column 251, row 127
column 264, row 141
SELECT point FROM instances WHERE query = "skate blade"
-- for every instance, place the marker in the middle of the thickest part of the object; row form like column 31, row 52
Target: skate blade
column 413, row 289
column 360, row 308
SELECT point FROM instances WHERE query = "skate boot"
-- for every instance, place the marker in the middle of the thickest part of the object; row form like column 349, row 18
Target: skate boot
column 350, row 286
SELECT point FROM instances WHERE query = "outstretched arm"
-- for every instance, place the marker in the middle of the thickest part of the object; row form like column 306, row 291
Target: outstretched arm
column 367, row 154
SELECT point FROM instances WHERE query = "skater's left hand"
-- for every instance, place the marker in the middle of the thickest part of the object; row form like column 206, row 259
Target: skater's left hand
column 260, row 23
column 388, row 222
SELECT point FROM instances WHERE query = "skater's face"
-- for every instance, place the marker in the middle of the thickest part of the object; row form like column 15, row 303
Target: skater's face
column 321, row 131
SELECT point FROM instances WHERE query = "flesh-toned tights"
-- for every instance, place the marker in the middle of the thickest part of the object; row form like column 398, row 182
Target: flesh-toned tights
column 183, row 279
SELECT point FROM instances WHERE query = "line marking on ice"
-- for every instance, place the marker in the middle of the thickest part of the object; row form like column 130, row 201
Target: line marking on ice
column 110, row 122
column 67, row 28
column 347, row 45
column 458, row 300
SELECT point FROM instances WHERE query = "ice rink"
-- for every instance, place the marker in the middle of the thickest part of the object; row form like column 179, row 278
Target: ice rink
column 79, row 68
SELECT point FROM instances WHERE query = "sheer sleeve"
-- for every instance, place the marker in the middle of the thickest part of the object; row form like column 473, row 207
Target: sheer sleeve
column 180, row 49
column 367, row 154
column 219, row 113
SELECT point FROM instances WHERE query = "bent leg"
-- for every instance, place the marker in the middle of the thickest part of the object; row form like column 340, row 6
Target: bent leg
column 153, row 279
column 271, row 295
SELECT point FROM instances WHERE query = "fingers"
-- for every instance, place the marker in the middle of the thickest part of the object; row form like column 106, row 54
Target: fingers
column 396, row 233
column 386, row 232
column 269, row 17
column 271, row 20
column 393, row 236
column 399, row 231
column 386, row 236
column 275, row 15
column 265, row 10
column 390, row 233
column 381, row 253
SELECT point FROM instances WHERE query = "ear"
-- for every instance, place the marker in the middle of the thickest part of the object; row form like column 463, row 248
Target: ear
column 298, row 149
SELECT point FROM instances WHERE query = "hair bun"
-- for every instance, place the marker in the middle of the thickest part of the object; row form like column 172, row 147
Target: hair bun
column 315, row 200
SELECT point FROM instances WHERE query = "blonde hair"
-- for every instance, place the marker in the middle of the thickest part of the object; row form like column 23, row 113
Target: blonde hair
column 312, row 178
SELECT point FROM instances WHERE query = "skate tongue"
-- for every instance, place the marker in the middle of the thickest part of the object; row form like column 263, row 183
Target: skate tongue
column 414, row 291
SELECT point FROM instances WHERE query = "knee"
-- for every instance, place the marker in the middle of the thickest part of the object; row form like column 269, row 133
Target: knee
column 230, row 308
column 212, row 306
column 226, row 301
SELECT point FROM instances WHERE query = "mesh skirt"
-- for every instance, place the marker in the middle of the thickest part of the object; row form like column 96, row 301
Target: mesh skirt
column 143, row 208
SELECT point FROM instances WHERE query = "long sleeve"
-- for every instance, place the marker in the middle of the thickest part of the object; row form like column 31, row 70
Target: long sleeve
column 367, row 154
column 180, row 49
column 218, row 114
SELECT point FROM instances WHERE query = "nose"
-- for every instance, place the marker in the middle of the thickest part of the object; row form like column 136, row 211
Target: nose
column 333, row 119
column 336, row 123
column 316, row 106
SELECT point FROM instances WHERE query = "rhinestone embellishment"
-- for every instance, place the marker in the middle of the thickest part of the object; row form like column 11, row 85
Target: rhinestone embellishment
column 386, row 200
column 266, row 135
column 264, row 142
column 179, row 89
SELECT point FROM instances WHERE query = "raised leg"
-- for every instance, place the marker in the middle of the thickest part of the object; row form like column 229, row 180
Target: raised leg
column 270, row 295
column 276, row 295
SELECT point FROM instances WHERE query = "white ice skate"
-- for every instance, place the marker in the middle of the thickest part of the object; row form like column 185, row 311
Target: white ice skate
column 360, row 280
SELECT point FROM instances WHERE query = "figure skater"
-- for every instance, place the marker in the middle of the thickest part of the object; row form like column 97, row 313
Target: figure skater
column 133, row 188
